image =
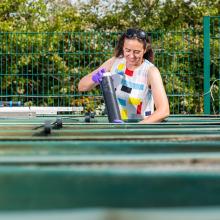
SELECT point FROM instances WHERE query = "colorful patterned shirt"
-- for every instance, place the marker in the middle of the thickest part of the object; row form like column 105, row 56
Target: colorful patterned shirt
column 134, row 97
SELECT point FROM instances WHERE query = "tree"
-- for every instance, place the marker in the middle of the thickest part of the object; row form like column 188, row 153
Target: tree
column 150, row 15
column 38, row 15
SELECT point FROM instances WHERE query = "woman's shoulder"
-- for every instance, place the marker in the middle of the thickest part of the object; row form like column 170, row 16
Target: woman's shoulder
column 148, row 63
column 114, row 61
column 108, row 63
column 150, row 68
column 153, row 72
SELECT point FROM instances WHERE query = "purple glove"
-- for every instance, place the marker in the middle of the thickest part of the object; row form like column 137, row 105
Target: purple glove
column 118, row 121
column 97, row 77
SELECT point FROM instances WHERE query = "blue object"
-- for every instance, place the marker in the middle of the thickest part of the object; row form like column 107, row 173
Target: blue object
column 10, row 103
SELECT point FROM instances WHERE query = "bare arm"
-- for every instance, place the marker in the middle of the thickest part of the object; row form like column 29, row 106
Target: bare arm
column 86, row 83
column 160, row 98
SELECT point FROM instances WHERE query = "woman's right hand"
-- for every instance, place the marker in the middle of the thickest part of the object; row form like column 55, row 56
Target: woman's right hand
column 97, row 76
column 91, row 80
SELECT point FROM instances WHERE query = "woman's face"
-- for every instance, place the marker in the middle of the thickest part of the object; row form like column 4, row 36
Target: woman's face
column 133, row 52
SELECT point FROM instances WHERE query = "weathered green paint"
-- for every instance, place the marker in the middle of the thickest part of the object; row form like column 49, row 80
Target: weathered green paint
column 179, row 130
column 74, row 187
column 191, row 213
column 113, row 132
column 206, row 32
column 175, row 163
column 77, row 148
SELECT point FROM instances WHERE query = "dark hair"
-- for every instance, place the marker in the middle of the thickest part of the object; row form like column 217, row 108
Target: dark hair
column 139, row 35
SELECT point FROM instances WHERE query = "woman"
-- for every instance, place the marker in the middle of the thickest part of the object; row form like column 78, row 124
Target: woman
column 138, row 84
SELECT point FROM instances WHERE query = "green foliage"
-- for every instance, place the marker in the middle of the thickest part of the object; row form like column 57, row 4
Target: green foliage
column 175, row 54
column 150, row 15
column 38, row 15
column 46, row 46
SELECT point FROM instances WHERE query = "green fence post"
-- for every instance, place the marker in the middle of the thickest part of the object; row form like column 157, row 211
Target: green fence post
column 206, row 60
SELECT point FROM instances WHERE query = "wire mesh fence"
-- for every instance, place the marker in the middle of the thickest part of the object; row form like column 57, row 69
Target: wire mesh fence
column 43, row 69
column 214, row 62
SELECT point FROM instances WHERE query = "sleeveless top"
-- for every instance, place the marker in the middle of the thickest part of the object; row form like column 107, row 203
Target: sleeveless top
column 134, row 97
